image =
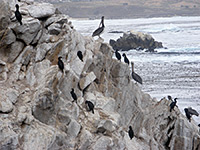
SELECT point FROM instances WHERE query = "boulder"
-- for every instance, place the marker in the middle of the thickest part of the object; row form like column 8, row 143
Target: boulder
column 60, row 19
column 5, row 14
column 39, row 11
column 28, row 31
column 87, row 80
column 42, row 50
column 73, row 129
column 135, row 40
column 7, row 37
column 6, row 105
column 12, row 95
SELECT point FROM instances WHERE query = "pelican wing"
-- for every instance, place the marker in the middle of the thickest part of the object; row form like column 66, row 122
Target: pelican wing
column 192, row 111
column 98, row 31
column 136, row 77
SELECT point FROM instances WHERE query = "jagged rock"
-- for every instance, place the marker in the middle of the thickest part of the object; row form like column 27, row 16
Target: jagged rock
column 28, row 31
column 38, row 37
column 6, row 106
column 42, row 50
column 54, row 29
column 9, row 139
column 4, row 15
column 86, row 139
column 12, row 95
column 106, row 125
column 102, row 143
column 135, row 40
column 73, row 129
column 41, row 10
column 44, row 108
column 7, row 37
column 15, row 50
column 87, row 80
column 60, row 19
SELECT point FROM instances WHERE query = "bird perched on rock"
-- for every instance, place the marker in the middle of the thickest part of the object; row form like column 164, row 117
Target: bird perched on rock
column 90, row 106
column 135, row 76
column 130, row 132
column 173, row 104
column 60, row 63
column 125, row 58
column 169, row 98
column 73, row 95
column 118, row 55
column 80, row 55
column 189, row 112
column 18, row 14
column 99, row 31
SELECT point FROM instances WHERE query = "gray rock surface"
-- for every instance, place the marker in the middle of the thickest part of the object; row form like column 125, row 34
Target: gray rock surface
column 37, row 110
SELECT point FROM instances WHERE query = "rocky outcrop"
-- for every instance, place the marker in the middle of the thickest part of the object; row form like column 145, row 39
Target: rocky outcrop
column 135, row 40
column 36, row 107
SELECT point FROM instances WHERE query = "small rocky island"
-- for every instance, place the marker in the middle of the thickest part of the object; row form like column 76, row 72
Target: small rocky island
column 135, row 40
column 37, row 110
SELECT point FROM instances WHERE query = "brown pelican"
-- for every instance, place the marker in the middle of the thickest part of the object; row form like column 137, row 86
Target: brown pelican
column 135, row 76
column 98, row 31
column 189, row 112
column 18, row 14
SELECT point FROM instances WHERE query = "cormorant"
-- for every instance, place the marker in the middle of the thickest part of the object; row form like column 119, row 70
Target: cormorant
column 169, row 98
column 189, row 112
column 60, row 64
column 80, row 55
column 90, row 106
column 125, row 58
column 18, row 14
column 135, row 76
column 130, row 132
column 173, row 104
column 73, row 95
column 118, row 55
column 98, row 31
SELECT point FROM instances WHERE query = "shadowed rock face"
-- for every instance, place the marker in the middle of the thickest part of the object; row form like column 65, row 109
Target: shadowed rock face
column 36, row 107
column 135, row 40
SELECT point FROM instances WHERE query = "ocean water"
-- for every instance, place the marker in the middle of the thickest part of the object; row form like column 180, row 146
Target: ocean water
column 173, row 71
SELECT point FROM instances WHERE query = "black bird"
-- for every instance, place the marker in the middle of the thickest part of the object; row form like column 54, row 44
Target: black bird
column 135, row 76
column 19, row 0
column 98, row 31
column 169, row 98
column 73, row 95
column 90, row 106
column 80, row 55
column 60, row 64
column 18, row 14
column 125, row 58
column 118, row 55
column 130, row 132
column 173, row 104
column 189, row 112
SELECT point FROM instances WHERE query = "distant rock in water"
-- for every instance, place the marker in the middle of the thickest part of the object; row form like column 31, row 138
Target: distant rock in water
column 115, row 32
column 135, row 40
